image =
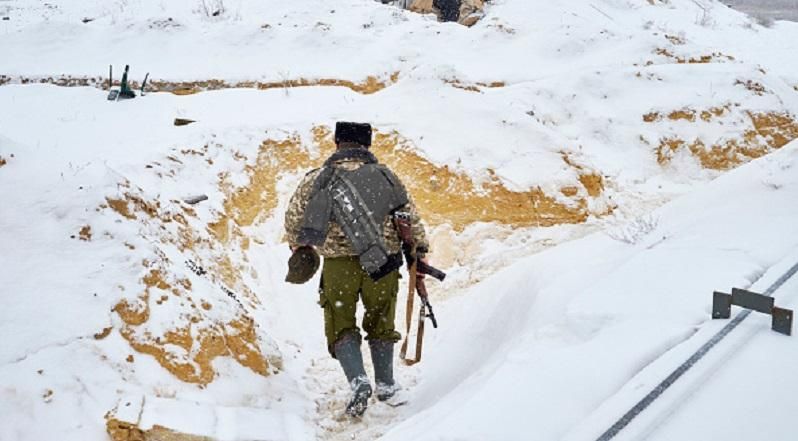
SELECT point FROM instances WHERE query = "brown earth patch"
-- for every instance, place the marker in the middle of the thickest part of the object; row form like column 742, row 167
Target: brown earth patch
column 369, row 85
column 753, row 86
column 187, row 346
column 443, row 196
column 185, row 236
column 470, row 88
column 592, row 181
column 63, row 80
column 768, row 132
column 778, row 128
column 187, row 351
column 493, row 84
column 688, row 114
column 675, row 39
column 700, row 59
column 124, row 431
column 247, row 204
column 85, row 233
column 651, row 117
column 122, row 206
column 104, row 333
column 715, row 112
column 474, row 87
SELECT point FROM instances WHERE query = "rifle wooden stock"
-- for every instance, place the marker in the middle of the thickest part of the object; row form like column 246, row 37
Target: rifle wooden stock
column 417, row 269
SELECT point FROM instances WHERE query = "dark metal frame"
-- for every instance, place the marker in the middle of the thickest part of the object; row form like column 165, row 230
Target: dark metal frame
column 722, row 303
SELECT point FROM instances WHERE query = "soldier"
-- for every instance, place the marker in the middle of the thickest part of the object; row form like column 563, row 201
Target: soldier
column 345, row 211
column 465, row 12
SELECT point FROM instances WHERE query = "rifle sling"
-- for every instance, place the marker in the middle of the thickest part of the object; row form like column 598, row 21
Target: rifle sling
column 411, row 294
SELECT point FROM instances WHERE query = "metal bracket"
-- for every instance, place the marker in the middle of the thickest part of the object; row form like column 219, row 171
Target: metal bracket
column 722, row 303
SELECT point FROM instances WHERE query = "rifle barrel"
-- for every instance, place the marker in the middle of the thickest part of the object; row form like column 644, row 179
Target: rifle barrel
column 431, row 314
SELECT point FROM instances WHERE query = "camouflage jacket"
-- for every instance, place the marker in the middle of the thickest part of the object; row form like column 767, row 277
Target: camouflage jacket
column 470, row 10
column 337, row 244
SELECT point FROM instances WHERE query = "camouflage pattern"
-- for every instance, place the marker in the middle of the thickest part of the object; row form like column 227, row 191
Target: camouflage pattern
column 337, row 244
column 343, row 282
column 470, row 10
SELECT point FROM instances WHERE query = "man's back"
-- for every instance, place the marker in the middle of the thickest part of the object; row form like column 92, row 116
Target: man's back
column 345, row 210
column 336, row 243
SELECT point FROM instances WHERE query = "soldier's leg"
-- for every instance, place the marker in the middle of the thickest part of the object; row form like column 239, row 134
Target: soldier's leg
column 379, row 299
column 341, row 283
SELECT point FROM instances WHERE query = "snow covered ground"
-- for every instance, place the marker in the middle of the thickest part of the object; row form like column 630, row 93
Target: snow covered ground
column 768, row 10
column 590, row 171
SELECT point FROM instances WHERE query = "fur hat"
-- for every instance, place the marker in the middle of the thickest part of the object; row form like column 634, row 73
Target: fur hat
column 359, row 133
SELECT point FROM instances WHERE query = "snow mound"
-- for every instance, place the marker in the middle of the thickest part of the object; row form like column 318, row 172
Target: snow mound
column 135, row 312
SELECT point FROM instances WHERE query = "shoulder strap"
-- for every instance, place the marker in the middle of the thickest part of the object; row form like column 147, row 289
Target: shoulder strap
column 400, row 193
column 323, row 179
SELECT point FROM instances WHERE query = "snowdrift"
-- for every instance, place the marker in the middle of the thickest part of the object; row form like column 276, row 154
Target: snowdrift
column 133, row 313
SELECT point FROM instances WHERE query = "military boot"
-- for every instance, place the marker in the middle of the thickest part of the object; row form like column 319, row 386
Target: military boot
column 382, row 358
column 347, row 351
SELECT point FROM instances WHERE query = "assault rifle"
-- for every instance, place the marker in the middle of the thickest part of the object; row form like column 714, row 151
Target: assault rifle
column 415, row 259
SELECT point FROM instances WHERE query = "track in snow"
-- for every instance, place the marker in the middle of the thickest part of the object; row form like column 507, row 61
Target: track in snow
column 638, row 408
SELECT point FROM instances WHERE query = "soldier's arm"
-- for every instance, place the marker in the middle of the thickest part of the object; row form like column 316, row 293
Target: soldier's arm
column 419, row 233
column 295, row 212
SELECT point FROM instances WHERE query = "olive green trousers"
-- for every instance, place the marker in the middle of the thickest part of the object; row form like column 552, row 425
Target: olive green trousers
column 343, row 282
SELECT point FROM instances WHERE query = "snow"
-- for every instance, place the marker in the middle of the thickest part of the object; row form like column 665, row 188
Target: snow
column 546, row 333
column 598, row 309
